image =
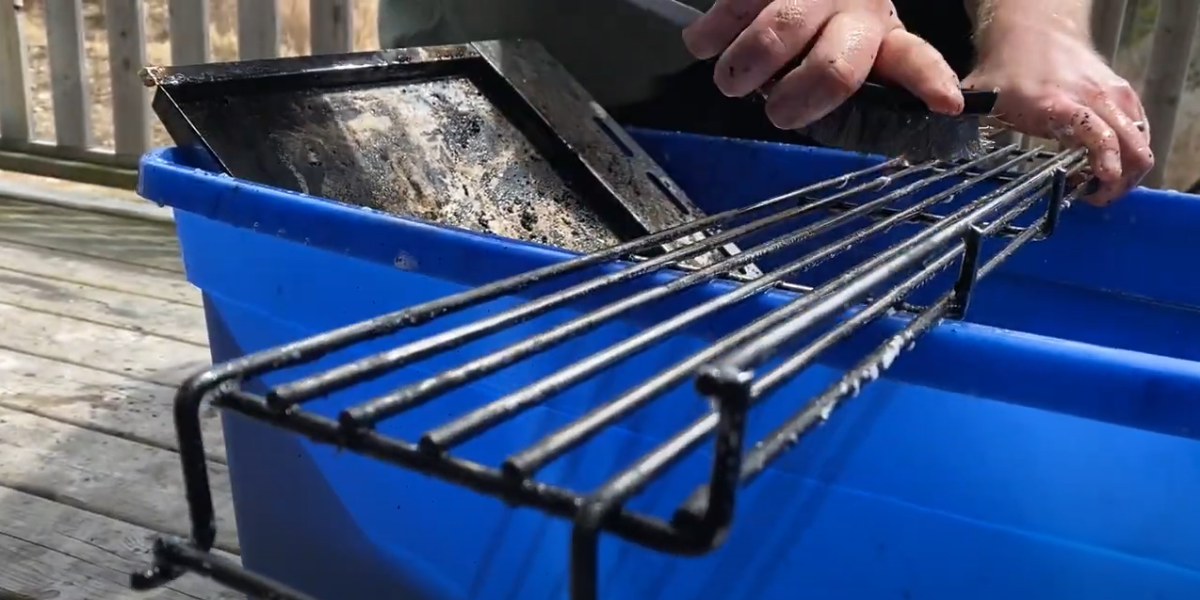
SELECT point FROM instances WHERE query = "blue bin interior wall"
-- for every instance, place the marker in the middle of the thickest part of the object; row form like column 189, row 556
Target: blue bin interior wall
column 909, row 492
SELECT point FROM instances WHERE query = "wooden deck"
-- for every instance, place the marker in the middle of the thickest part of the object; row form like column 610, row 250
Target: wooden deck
column 97, row 326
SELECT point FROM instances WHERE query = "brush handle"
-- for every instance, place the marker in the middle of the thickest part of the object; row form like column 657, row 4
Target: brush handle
column 975, row 102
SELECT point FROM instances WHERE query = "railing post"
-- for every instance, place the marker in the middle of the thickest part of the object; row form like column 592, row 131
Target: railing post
column 188, row 27
column 258, row 29
column 331, row 26
column 1166, row 74
column 1127, row 22
column 14, row 92
column 126, row 56
column 68, row 74
column 1108, row 17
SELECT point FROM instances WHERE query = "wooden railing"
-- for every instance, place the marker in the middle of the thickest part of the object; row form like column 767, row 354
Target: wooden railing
column 73, row 146
column 332, row 30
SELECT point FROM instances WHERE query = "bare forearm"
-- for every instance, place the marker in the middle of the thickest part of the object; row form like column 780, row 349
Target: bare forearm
column 993, row 19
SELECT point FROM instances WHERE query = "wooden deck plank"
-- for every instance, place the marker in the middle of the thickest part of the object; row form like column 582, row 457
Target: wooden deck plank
column 106, row 475
column 100, row 327
column 131, row 353
column 104, row 307
column 116, row 381
column 95, row 553
column 52, row 265
column 84, row 233
column 97, row 400
column 29, row 571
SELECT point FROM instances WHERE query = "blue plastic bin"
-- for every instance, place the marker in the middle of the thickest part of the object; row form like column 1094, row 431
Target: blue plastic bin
column 1043, row 449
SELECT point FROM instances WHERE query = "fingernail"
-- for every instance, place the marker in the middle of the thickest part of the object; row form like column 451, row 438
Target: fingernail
column 954, row 99
column 697, row 44
column 731, row 79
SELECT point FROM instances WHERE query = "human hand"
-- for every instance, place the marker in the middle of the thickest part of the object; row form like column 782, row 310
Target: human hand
column 848, row 39
column 1052, row 84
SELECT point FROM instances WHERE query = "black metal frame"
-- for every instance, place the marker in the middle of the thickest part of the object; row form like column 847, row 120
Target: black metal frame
column 723, row 372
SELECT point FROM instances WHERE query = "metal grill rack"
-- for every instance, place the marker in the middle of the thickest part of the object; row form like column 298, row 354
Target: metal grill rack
column 728, row 372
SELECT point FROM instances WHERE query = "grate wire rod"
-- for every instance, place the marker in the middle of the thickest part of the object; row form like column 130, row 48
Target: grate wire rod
column 785, row 314
column 349, row 374
column 820, row 408
column 196, row 389
column 476, row 422
column 730, row 461
column 648, row 530
column 596, row 507
column 524, row 463
column 410, row 396
column 422, row 313
column 183, row 554
column 710, row 508
column 867, row 275
column 315, row 347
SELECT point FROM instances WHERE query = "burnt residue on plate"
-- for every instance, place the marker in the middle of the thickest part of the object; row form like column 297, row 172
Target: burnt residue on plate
column 434, row 150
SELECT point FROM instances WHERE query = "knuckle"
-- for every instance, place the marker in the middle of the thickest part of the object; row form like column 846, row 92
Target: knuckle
column 837, row 75
column 1108, row 142
column 738, row 11
column 1123, row 91
column 770, row 43
column 1125, row 98
column 1099, row 137
column 1053, row 112
column 1093, row 94
column 1054, row 106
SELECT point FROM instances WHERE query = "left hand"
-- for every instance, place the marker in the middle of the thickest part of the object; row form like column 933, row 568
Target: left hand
column 1053, row 85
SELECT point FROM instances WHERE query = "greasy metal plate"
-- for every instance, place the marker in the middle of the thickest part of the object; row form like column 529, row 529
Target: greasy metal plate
column 492, row 137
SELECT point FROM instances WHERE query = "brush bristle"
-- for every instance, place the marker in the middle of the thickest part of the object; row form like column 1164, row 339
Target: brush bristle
column 897, row 133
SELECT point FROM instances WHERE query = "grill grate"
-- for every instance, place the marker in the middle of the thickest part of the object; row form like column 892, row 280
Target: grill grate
column 729, row 372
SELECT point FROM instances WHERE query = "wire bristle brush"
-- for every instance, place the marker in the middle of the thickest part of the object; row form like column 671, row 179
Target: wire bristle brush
column 878, row 119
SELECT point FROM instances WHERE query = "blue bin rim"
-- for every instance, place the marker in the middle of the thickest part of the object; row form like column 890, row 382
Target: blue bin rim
column 1166, row 212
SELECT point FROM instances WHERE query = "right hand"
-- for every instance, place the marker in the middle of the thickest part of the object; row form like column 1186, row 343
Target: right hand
column 841, row 41
column 1054, row 85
